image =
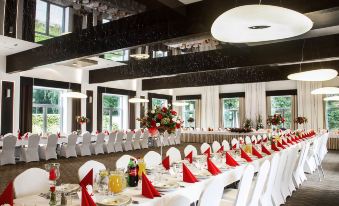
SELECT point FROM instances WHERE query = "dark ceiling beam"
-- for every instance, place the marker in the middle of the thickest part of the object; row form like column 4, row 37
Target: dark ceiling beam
column 315, row 49
column 232, row 76
column 144, row 28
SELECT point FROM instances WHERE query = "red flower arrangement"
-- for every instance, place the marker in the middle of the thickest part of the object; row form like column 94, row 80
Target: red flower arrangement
column 161, row 119
column 82, row 119
column 301, row 120
column 276, row 119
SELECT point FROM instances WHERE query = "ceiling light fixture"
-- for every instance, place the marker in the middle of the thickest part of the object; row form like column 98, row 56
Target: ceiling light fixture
column 326, row 90
column 314, row 75
column 333, row 98
column 140, row 56
column 179, row 104
column 256, row 23
column 138, row 100
column 76, row 95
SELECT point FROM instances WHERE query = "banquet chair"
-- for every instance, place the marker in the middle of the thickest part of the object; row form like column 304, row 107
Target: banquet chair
column 277, row 196
column 7, row 154
column 98, row 146
column 323, row 149
column 212, row 193
column 264, row 137
column 287, row 181
column 234, row 141
column 127, row 145
column 190, row 148
column 33, row 181
column 248, row 140
column 299, row 174
column 174, row 155
column 152, row 159
column 123, row 161
column 87, row 166
column 204, row 147
column 48, row 151
column 171, row 139
column 144, row 141
column 216, row 146
column 254, row 139
column 266, row 197
column 136, row 141
column 68, row 150
column 31, row 153
column 118, row 141
column 179, row 200
column 226, row 145
column 259, row 138
column 109, row 145
column 83, row 149
column 178, row 137
column 241, row 194
column 165, row 141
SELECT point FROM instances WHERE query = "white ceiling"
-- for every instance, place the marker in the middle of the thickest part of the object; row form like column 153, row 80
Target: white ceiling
column 189, row 1
column 11, row 45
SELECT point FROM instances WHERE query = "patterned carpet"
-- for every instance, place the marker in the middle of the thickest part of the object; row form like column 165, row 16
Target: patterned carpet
column 312, row 192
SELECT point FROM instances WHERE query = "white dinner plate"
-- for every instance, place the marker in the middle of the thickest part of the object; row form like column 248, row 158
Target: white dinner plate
column 116, row 200
column 166, row 186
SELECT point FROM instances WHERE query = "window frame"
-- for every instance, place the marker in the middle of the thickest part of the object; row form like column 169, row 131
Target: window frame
column 326, row 114
column 271, row 106
column 224, row 110
column 120, row 109
column 184, row 111
column 165, row 105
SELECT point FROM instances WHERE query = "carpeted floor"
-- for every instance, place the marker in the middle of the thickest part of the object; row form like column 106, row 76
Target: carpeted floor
column 312, row 192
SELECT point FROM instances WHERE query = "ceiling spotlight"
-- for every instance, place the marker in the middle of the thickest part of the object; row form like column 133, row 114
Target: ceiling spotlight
column 333, row 98
column 326, row 90
column 314, row 75
column 138, row 100
column 256, row 23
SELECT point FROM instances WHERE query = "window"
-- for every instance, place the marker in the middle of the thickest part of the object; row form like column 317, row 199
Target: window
column 122, row 55
column 159, row 103
column 231, row 112
column 189, row 113
column 113, row 112
column 47, row 110
column 157, row 54
column 49, row 20
column 332, row 115
column 282, row 105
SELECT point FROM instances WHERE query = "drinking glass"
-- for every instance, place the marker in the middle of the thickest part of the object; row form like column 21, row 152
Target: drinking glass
column 116, row 182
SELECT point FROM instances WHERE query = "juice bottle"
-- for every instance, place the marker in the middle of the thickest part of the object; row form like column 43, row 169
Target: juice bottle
column 141, row 167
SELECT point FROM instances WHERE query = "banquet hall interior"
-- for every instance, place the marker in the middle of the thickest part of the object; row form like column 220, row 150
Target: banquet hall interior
column 169, row 102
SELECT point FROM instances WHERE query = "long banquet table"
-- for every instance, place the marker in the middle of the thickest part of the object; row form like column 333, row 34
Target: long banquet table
column 211, row 136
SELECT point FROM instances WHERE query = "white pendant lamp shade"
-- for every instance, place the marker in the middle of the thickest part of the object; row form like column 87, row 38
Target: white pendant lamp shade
column 76, row 95
column 326, row 90
column 314, row 75
column 256, row 23
column 179, row 104
column 138, row 100
column 333, row 98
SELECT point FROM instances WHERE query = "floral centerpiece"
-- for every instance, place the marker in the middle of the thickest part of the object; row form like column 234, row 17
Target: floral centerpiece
column 161, row 119
column 82, row 119
column 300, row 120
column 248, row 124
column 275, row 120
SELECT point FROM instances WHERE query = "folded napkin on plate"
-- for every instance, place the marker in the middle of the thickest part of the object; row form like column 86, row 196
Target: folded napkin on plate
column 148, row 189
column 19, row 136
column 166, row 163
column 284, row 142
column 58, row 134
column 221, row 150
column 280, row 145
column 289, row 141
column 208, row 152
column 259, row 141
column 253, row 141
column 230, row 160
column 234, row 146
column 245, row 156
column 274, row 147
column 265, row 140
column 190, row 157
column 256, row 153
column 7, row 196
column 214, row 170
column 86, row 199
column 187, row 175
column 87, row 180
column 265, row 150
column 26, row 135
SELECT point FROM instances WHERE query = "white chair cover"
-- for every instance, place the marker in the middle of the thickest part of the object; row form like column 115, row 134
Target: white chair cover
column 204, row 147
column 234, row 141
column 212, row 193
column 123, row 161
column 136, row 141
column 226, row 145
column 259, row 184
column 31, row 153
column 7, row 155
column 216, row 146
column 277, row 197
column 178, row 137
column 174, row 155
column 190, row 148
column 87, row 166
column 109, row 145
column 127, row 145
column 152, row 159
column 118, row 142
column 144, row 141
column 179, row 200
column 253, row 139
column 83, row 148
column 33, row 181
column 68, row 150
column 49, row 151
column 248, row 140
column 98, row 146
column 287, row 176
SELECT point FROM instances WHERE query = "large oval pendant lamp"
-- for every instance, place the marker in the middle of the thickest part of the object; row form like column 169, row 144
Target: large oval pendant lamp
column 333, row 98
column 76, row 95
column 314, row 75
column 326, row 90
column 256, row 23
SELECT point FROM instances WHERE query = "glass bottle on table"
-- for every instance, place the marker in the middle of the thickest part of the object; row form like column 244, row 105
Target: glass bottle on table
column 132, row 173
column 141, row 167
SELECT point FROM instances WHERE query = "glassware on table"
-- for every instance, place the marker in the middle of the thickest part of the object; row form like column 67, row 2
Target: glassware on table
column 102, row 181
column 117, row 182
column 54, row 175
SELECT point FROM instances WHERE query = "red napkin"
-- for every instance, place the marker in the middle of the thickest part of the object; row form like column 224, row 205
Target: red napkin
column 256, row 153
column 166, row 163
column 253, row 141
column 230, row 160
column 265, row 150
column 97, row 132
column 187, row 175
column 259, row 141
column 245, row 156
column 148, row 189
column 221, row 150
column 274, row 147
column 208, row 152
column 234, row 146
column 86, row 199
column 7, row 196
column 190, row 157
column 289, row 141
column 26, row 135
column 87, row 180
column 280, row 145
column 284, row 143
column 214, row 170
column 265, row 140
column 52, row 174
column 58, row 134
column 19, row 135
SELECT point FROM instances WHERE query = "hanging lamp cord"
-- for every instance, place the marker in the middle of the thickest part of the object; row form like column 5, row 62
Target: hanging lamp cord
column 302, row 54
